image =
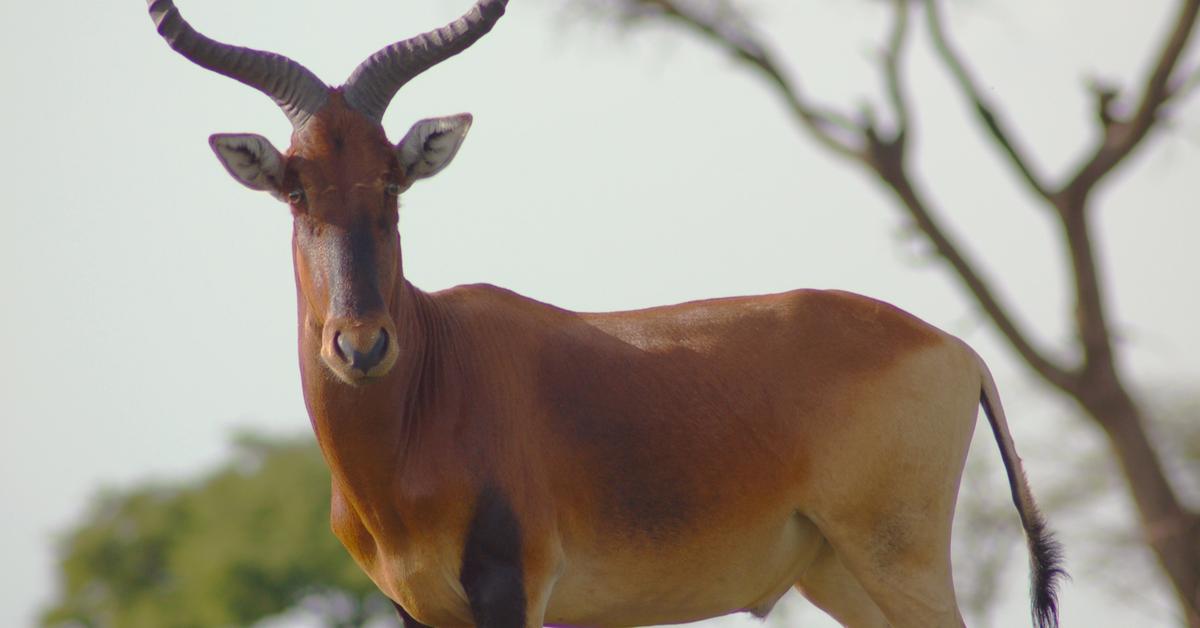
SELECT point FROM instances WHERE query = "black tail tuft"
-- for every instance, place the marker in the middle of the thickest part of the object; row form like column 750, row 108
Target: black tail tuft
column 1045, row 553
column 1046, row 559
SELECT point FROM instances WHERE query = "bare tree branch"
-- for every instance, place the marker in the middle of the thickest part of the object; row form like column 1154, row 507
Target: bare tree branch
column 1091, row 317
column 1120, row 138
column 969, row 86
column 888, row 159
column 824, row 125
column 892, row 71
column 1123, row 136
column 1090, row 311
column 890, row 167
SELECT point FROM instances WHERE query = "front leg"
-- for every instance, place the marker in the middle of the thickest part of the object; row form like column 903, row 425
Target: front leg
column 491, row 571
column 407, row 620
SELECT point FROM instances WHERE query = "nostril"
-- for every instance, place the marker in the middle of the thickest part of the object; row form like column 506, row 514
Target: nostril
column 342, row 346
column 350, row 347
column 375, row 355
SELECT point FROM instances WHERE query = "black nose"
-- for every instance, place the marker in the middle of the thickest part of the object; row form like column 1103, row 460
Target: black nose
column 362, row 360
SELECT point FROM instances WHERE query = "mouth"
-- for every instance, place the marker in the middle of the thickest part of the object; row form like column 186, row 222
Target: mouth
column 354, row 376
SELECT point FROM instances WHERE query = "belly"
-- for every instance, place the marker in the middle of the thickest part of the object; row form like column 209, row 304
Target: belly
column 721, row 571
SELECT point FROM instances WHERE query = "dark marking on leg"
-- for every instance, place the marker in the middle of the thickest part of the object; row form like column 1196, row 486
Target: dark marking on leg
column 407, row 620
column 491, row 563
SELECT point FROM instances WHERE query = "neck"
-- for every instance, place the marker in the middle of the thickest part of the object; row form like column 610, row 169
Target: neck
column 367, row 433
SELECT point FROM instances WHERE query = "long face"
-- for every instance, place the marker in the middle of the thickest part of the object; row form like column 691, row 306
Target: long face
column 342, row 180
column 341, row 177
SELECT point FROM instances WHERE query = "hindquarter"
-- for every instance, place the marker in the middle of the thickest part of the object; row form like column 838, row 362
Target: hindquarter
column 898, row 441
column 886, row 498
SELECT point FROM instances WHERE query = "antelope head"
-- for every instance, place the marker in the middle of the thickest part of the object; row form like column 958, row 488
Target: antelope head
column 341, row 177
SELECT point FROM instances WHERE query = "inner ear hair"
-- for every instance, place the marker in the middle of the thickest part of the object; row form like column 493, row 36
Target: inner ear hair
column 251, row 159
column 431, row 144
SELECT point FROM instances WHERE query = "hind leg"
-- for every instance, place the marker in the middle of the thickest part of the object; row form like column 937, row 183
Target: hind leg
column 886, row 501
column 894, row 539
column 830, row 587
column 906, row 573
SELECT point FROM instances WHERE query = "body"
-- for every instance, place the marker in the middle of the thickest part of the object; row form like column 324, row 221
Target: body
column 668, row 464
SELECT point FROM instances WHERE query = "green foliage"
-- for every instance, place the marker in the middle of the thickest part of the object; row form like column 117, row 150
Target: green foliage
column 240, row 544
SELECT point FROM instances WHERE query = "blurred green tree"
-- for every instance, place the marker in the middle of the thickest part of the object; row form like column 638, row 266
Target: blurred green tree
column 243, row 543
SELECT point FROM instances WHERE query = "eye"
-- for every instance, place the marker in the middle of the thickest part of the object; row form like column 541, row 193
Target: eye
column 393, row 189
column 295, row 196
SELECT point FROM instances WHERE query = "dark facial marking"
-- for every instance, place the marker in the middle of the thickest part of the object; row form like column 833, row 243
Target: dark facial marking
column 491, row 564
column 353, row 267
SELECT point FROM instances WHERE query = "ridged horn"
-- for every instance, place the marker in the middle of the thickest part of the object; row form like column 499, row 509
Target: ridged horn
column 292, row 86
column 374, row 83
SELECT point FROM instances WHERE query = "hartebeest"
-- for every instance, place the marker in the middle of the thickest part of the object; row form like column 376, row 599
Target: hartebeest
column 500, row 462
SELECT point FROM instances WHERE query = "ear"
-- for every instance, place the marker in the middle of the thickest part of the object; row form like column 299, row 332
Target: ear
column 251, row 159
column 430, row 145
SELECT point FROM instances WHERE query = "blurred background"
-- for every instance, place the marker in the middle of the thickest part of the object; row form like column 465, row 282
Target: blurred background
column 1019, row 173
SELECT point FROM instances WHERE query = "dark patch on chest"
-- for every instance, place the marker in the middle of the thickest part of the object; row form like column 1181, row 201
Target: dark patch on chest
column 491, row 564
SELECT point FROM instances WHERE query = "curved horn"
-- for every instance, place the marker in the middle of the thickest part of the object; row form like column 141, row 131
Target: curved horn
column 373, row 84
column 295, row 89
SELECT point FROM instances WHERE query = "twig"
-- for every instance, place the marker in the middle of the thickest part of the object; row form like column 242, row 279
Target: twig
column 1123, row 136
column 986, row 113
column 821, row 123
column 891, row 66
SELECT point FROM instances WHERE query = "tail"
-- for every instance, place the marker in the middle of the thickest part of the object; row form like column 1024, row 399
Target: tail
column 1045, row 553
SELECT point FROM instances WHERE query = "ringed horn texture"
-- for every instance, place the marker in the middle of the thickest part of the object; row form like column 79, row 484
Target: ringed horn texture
column 298, row 91
column 373, row 84
column 292, row 86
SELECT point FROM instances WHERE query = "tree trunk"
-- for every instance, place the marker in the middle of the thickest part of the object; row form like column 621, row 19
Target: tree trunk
column 1171, row 531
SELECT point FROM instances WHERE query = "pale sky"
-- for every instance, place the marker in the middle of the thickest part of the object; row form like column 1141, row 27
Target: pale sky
column 148, row 300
